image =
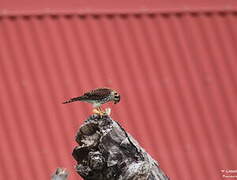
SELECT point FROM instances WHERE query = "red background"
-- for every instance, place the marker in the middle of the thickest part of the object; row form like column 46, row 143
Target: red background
column 173, row 62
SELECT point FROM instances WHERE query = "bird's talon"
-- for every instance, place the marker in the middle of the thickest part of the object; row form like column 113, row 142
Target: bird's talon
column 95, row 111
column 99, row 112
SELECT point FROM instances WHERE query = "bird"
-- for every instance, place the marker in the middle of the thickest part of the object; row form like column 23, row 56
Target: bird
column 97, row 97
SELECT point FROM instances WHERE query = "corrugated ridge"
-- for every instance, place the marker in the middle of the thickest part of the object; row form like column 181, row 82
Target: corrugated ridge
column 140, row 11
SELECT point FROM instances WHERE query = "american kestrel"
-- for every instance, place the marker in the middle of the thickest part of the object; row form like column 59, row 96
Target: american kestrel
column 97, row 97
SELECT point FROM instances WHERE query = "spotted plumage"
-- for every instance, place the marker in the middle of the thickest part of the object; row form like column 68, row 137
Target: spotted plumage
column 97, row 97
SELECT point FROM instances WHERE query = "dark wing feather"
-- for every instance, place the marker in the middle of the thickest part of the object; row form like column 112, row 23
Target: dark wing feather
column 98, row 94
column 74, row 99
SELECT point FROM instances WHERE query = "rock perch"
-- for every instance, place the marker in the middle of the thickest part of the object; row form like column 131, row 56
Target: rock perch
column 107, row 152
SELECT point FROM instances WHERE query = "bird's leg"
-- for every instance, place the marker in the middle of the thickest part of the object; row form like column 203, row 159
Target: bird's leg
column 103, row 112
column 96, row 111
column 99, row 111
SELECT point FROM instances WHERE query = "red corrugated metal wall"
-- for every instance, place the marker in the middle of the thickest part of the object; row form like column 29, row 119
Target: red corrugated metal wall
column 176, row 73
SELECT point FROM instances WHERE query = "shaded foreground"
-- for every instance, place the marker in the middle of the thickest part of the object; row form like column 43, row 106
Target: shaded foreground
column 107, row 152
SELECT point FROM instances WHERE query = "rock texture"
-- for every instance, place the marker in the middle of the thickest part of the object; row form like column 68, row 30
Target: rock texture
column 107, row 152
column 60, row 174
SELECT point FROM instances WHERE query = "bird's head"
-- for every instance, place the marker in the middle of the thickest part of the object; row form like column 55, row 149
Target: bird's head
column 116, row 97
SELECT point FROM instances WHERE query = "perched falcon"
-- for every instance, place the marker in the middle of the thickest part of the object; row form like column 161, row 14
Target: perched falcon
column 97, row 97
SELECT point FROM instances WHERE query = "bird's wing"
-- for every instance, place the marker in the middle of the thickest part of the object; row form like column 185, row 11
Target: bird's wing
column 98, row 94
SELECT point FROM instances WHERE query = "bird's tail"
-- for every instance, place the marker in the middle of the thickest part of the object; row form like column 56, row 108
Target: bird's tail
column 72, row 100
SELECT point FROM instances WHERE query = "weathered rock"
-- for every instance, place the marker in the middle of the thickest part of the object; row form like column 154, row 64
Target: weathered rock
column 60, row 174
column 107, row 152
